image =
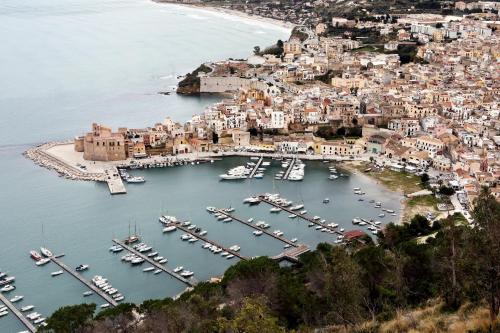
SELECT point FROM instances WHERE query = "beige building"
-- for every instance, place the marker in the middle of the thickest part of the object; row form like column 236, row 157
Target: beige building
column 429, row 144
column 102, row 144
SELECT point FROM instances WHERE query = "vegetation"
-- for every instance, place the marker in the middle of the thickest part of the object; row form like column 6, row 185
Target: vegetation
column 347, row 289
column 191, row 83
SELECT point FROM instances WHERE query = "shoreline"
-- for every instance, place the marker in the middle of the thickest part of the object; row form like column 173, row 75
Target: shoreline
column 232, row 12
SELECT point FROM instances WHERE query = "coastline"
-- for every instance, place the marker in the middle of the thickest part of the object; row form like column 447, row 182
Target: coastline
column 231, row 12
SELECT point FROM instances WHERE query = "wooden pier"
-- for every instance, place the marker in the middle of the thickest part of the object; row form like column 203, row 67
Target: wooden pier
column 290, row 167
column 18, row 314
column 281, row 238
column 80, row 278
column 186, row 230
column 190, row 282
column 257, row 165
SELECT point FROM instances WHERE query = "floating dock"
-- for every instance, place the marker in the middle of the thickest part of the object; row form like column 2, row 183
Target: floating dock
column 281, row 238
column 257, row 165
column 80, row 278
column 290, row 167
column 18, row 314
column 190, row 282
column 236, row 254
column 115, row 182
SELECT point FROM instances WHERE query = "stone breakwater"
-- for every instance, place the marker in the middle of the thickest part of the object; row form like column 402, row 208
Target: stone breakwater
column 40, row 156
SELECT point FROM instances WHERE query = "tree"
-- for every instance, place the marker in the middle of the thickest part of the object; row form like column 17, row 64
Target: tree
column 215, row 138
column 445, row 190
column 69, row 319
column 256, row 50
column 424, row 178
column 253, row 317
column 485, row 247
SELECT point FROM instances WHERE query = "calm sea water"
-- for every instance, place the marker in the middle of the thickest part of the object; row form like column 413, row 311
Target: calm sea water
column 67, row 63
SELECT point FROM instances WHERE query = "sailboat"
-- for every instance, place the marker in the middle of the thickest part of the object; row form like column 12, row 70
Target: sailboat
column 132, row 238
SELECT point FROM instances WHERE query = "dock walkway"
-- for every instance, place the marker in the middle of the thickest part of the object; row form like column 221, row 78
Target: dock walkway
column 281, row 238
column 189, row 282
column 18, row 314
column 290, row 167
column 115, row 182
column 292, row 254
column 257, row 165
column 186, row 230
column 80, row 278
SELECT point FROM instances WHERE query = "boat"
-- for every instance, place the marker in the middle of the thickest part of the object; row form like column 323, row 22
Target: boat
column 46, row 252
column 356, row 220
column 297, row 207
column 316, row 217
column 119, row 298
column 225, row 253
column 185, row 237
column 235, row 248
column 38, row 321
column 203, row 233
column 157, row 258
column 170, row 228
column 158, row 271
column 178, row 269
column 4, row 313
column 137, row 261
column 227, row 219
column 326, row 200
column 134, row 180
column 254, row 201
column 7, row 288
column 27, row 308
column 152, row 254
column 7, row 280
column 302, row 212
column 192, row 240
column 275, row 210
column 81, row 268
column 333, row 177
column 35, row 255
column 163, row 261
column 292, row 216
column 16, row 298
column 250, row 220
column 293, row 240
column 311, row 225
column 258, row 176
column 187, row 273
column 105, row 305
column 258, row 232
column 116, row 248
column 56, row 273
column 148, row 269
column 131, row 239
column 88, row 293
column 33, row 316
column 211, row 209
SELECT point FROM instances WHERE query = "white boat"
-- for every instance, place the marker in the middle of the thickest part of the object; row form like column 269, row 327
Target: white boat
column 206, row 245
column 4, row 313
column 7, row 288
column 275, row 210
column 333, row 177
column 135, row 180
column 116, row 248
column 170, row 228
column 235, row 248
column 105, row 305
column 302, row 212
column 27, row 308
column 38, row 321
column 81, row 268
column 148, row 269
column 119, row 299
column 88, row 293
column 292, row 216
column 211, row 209
column 178, row 269
column 356, row 220
column 293, row 240
column 16, row 298
column 227, row 219
column 316, row 217
column 258, row 232
column 46, row 252
column 187, row 273
column 203, row 233
column 193, row 240
column 158, row 271
column 185, row 237
column 250, row 220
column 42, row 262
column 326, row 200
column 163, row 261
column 297, row 207
column 152, row 254
column 225, row 253
column 137, row 261
column 33, row 316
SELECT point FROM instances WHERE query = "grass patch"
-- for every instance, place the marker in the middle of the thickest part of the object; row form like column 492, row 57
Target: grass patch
column 424, row 200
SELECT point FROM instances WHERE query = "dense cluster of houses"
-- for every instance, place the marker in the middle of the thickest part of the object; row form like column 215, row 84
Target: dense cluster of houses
column 321, row 97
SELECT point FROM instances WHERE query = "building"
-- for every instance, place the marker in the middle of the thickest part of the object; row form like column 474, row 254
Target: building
column 431, row 145
column 102, row 144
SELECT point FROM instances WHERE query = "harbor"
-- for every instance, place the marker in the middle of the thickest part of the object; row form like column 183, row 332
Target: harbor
column 20, row 316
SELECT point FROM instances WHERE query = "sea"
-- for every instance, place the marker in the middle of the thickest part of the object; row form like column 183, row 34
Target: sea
column 67, row 63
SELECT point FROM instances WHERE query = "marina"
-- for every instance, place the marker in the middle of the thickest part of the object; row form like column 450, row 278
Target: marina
column 190, row 282
column 26, row 323
column 256, row 167
column 289, row 169
column 80, row 278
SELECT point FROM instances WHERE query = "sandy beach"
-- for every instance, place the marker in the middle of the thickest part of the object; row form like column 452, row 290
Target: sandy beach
column 219, row 11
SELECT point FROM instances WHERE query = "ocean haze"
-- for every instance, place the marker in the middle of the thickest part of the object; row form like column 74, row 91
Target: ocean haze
column 65, row 64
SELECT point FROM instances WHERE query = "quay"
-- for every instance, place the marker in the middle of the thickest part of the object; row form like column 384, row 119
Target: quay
column 115, row 182
column 290, row 167
column 308, row 219
column 236, row 254
column 292, row 254
column 18, row 314
column 257, row 165
column 89, row 285
column 281, row 238
column 170, row 272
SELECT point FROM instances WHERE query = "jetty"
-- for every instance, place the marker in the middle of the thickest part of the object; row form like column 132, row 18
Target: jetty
column 29, row 326
column 256, row 167
column 186, row 230
column 80, row 278
column 290, row 167
column 292, row 254
column 190, row 282
column 115, row 182
column 281, row 238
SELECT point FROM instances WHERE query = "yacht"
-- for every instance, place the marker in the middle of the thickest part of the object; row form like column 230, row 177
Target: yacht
column 135, row 180
column 88, row 293
column 105, row 305
column 185, row 237
column 46, row 252
column 311, row 225
column 56, row 273
column 148, row 269
column 254, row 201
column 356, row 220
column 235, row 248
column 7, row 288
column 178, row 269
column 258, row 232
column 35, row 255
column 153, row 254
column 116, row 248
column 206, row 245
column 137, row 261
column 170, row 228
column 157, row 258
column 163, row 261
column 7, row 280
column 203, row 233
column 27, row 308
column 275, row 210
column 297, row 207
column 193, row 240
column 38, row 321
column 191, row 227
column 292, row 216
column 278, row 233
column 225, row 253
column 293, row 240
column 33, row 316
column 186, row 273
column 316, row 218
column 234, row 173
column 230, row 256
column 16, row 298
column 81, row 268
column 227, row 219
column 211, row 209
column 119, row 298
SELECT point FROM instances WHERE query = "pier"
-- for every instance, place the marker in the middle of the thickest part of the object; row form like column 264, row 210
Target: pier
column 292, row 254
column 236, row 254
column 296, row 213
column 170, row 272
column 257, row 165
column 290, row 167
column 281, row 238
column 115, row 182
column 18, row 314
column 89, row 285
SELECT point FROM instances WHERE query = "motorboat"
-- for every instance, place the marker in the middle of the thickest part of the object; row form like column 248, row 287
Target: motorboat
column 105, row 305
column 225, row 253
column 229, row 256
column 148, row 269
column 191, row 227
column 157, row 258
column 185, row 237
column 81, row 268
column 381, row 215
column 316, row 218
column 250, row 220
column 326, row 200
column 16, row 298
column 119, row 299
column 38, row 321
column 227, row 219
column 56, row 273
column 235, row 248
column 193, row 240
column 206, row 245
column 163, row 261
column 33, row 316
column 7, row 280
column 178, row 269
column 292, row 216
column 4, row 313
column 137, row 261
column 302, row 212
column 88, row 293
column 7, row 288
column 35, row 255
column 293, row 240
column 46, row 252
column 356, row 220
column 186, row 273
column 116, row 248
column 258, row 232
column 275, row 210
column 203, row 233
column 297, row 207
column 135, row 180
column 170, row 228
column 254, row 201
column 153, row 254
column 158, row 271
column 27, row 308
column 211, row 209
column 333, row 177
